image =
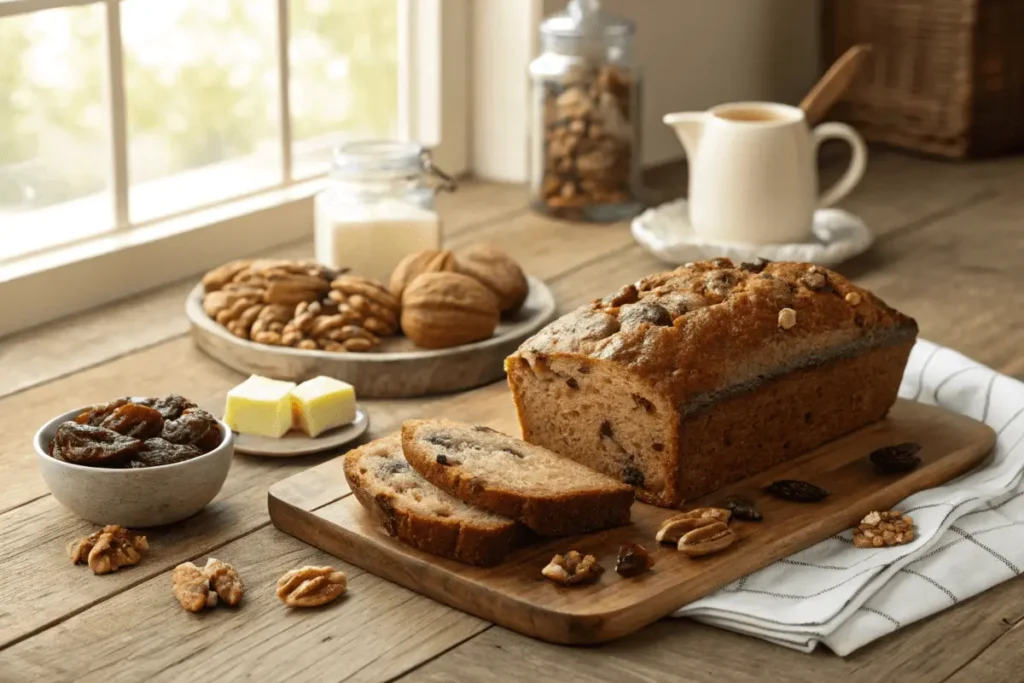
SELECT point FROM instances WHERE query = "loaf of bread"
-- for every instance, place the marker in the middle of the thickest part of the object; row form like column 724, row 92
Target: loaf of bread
column 414, row 511
column 549, row 494
column 692, row 379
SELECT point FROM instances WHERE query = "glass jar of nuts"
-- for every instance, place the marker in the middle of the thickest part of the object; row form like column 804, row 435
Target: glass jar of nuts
column 585, row 133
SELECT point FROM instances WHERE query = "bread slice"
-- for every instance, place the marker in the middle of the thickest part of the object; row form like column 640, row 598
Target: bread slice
column 550, row 494
column 416, row 512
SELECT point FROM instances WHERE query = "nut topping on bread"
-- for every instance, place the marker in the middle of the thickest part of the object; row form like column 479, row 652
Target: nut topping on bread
column 686, row 381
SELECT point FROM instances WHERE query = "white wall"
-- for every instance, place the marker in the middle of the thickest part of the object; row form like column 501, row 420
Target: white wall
column 695, row 54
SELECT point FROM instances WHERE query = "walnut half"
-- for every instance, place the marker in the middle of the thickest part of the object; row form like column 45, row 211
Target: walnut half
column 196, row 589
column 311, row 586
column 572, row 568
column 109, row 549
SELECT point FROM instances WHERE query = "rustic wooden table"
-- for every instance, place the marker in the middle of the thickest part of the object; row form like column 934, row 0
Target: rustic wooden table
column 949, row 251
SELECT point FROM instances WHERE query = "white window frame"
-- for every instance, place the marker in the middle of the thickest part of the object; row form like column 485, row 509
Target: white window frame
column 434, row 108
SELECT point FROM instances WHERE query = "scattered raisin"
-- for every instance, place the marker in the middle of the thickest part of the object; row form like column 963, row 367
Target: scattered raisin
column 95, row 415
column 512, row 451
column 196, row 427
column 441, row 440
column 157, row 451
column 643, row 403
column 84, row 444
column 133, row 419
column 895, row 459
column 606, row 430
column 584, row 370
column 391, row 467
column 743, row 508
column 442, row 459
column 482, row 428
column 572, row 383
column 659, row 447
column 797, row 491
column 633, row 560
column 632, row 476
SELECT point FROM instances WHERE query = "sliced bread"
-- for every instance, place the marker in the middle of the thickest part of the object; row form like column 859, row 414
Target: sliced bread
column 550, row 494
column 416, row 512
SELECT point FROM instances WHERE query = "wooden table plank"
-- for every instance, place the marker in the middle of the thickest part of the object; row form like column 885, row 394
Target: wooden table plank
column 72, row 344
column 374, row 633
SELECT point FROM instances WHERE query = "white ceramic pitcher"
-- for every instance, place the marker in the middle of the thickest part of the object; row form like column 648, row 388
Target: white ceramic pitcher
column 753, row 171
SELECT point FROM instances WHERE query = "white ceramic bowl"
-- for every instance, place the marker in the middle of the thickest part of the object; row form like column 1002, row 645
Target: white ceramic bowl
column 143, row 497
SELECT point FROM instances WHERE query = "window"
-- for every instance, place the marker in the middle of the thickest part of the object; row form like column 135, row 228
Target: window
column 124, row 121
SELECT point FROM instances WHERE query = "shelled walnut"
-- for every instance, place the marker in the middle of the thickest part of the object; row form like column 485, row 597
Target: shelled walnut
column 573, row 568
column 108, row 549
column 311, row 586
column 196, row 589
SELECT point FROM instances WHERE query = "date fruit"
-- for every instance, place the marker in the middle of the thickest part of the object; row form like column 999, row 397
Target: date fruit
column 171, row 406
column 83, row 444
column 797, row 491
column 195, row 427
column 633, row 560
column 743, row 508
column 95, row 415
column 157, row 451
column 895, row 459
column 133, row 419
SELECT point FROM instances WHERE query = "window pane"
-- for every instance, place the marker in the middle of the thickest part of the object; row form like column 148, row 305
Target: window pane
column 53, row 142
column 201, row 90
column 344, row 76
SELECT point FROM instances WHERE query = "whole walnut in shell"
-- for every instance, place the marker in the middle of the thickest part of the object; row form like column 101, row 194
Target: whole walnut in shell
column 440, row 310
column 497, row 271
column 418, row 263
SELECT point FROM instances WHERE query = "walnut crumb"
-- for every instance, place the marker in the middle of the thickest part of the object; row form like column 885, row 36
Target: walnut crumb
column 853, row 298
column 787, row 318
column 572, row 568
column 880, row 529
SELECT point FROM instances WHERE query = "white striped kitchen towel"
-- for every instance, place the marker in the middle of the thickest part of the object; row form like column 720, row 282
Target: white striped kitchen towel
column 969, row 535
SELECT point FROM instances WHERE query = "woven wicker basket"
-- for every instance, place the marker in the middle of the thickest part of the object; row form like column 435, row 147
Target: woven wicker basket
column 946, row 77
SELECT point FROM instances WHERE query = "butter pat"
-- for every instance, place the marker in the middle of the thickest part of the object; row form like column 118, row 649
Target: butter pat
column 260, row 406
column 323, row 403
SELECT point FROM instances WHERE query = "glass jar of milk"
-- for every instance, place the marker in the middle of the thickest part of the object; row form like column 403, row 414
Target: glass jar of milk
column 378, row 207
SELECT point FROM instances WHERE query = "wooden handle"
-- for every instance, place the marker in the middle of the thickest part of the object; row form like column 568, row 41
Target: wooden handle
column 831, row 87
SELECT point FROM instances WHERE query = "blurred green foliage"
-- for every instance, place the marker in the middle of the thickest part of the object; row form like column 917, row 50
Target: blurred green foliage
column 218, row 101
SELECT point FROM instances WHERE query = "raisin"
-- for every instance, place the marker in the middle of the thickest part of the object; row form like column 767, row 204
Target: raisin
column 643, row 403
column 644, row 312
column 756, row 267
column 392, row 467
column 743, row 508
column 633, row 560
column 196, row 427
column 512, row 451
column 797, row 491
column 441, row 440
column 632, row 476
column 136, row 420
column 572, row 383
column 443, row 460
column 157, row 451
column 84, row 444
column 626, row 295
column 95, row 415
column 606, row 430
column 895, row 459
column 584, row 370
column 172, row 406
column 659, row 447
column 488, row 430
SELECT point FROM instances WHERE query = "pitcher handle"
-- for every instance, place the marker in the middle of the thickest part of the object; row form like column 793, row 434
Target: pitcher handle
column 858, row 163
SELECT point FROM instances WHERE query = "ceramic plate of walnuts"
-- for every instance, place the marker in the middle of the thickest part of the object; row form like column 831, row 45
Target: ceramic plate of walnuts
column 444, row 322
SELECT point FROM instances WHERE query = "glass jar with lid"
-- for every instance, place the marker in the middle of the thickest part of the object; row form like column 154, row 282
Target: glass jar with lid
column 585, row 132
column 378, row 207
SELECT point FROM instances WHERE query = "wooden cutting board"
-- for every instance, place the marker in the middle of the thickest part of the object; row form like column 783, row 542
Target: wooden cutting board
column 315, row 506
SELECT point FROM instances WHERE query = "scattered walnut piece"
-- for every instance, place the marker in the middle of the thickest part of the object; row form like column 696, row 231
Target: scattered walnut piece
column 879, row 529
column 853, row 298
column 311, row 586
column 706, row 540
column 572, row 568
column 633, row 560
column 108, row 549
column 674, row 528
column 787, row 318
column 192, row 588
column 225, row 581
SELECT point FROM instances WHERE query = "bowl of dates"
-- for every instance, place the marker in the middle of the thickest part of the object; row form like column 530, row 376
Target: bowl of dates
column 137, row 462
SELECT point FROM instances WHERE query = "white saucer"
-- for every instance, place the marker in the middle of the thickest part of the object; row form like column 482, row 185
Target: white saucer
column 296, row 443
column 665, row 231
